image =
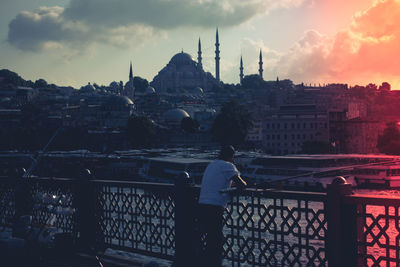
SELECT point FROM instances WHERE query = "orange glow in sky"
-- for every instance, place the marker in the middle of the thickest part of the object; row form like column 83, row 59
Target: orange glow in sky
column 366, row 50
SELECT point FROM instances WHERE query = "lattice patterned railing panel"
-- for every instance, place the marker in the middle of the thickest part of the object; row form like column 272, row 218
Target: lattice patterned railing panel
column 7, row 208
column 275, row 229
column 379, row 230
column 53, row 203
column 137, row 217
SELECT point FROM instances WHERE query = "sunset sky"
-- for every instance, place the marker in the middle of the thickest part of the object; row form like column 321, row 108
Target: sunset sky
column 73, row 42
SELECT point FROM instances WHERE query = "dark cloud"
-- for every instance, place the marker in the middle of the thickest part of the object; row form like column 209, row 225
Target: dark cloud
column 120, row 21
column 165, row 14
column 32, row 31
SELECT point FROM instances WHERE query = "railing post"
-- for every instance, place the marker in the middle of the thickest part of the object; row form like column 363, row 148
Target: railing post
column 84, row 202
column 184, row 226
column 341, row 241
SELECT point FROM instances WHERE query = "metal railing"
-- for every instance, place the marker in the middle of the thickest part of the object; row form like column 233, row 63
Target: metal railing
column 137, row 217
column 377, row 229
column 261, row 227
column 275, row 228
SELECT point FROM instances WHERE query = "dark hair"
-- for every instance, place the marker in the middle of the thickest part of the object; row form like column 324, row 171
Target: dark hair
column 226, row 152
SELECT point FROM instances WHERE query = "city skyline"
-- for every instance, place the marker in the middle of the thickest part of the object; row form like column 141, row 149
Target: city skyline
column 70, row 42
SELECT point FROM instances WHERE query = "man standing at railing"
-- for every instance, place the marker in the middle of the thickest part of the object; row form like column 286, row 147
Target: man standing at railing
column 218, row 176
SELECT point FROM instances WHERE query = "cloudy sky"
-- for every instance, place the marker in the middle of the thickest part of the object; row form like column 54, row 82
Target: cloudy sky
column 73, row 42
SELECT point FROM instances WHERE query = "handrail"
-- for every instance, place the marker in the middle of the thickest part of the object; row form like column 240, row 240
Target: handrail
column 372, row 200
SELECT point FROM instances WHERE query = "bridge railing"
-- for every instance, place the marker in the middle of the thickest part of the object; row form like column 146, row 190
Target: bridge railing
column 376, row 229
column 261, row 227
column 136, row 217
column 276, row 228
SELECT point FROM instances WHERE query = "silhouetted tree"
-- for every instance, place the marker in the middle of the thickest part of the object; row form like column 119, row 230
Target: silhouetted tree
column 140, row 83
column 9, row 77
column 284, row 84
column 141, row 131
column 232, row 124
column 371, row 87
column 189, row 125
column 253, row 81
column 389, row 141
column 41, row 83
column 385, row 87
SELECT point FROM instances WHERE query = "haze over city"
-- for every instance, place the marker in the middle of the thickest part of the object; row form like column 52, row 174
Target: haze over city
column 70, row 42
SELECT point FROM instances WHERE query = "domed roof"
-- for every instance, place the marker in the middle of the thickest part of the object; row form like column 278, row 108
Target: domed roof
column 198, row 91
column 88, row 88
column 175, row 115
column 149, row 90
column 118, row 101
column 181, row 58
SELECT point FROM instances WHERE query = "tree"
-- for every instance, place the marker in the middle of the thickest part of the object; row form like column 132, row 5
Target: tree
column 41, row 83
column 141, row 131
column 9, row 77
column 371, row 87
column 232, row 124
column 189, row 125
column 385, row 87
column 389, row 141
column 140, row 83
column 253, row 81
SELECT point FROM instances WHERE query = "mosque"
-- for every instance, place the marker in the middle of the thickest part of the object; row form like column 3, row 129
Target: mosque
column 183, row 72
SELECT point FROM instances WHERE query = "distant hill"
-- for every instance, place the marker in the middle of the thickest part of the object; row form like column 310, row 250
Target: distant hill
column 8, row 77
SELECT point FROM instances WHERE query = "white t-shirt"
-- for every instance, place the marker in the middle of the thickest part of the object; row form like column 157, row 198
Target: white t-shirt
column 216, row 178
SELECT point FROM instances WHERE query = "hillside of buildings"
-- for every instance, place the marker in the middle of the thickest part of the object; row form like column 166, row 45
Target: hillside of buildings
column 277, row 117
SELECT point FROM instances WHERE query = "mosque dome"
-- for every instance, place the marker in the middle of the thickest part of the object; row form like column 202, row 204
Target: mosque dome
column 115, row 102
column 175, row 115
column 149, row 90
column 198, row 91
column 89, row 88
column 181, row 58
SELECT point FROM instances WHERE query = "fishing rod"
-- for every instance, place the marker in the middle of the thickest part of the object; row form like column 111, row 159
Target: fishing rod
column 263, row 184
column 35, row 161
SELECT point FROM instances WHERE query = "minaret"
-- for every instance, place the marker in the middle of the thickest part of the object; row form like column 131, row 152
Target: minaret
column 241, row 75
column 130, row 89
column 217, row 58
column 130, row 73
column 260, row 63
column 199, row 55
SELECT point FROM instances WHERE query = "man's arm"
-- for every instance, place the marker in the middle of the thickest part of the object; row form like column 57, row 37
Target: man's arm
column 238, row 181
